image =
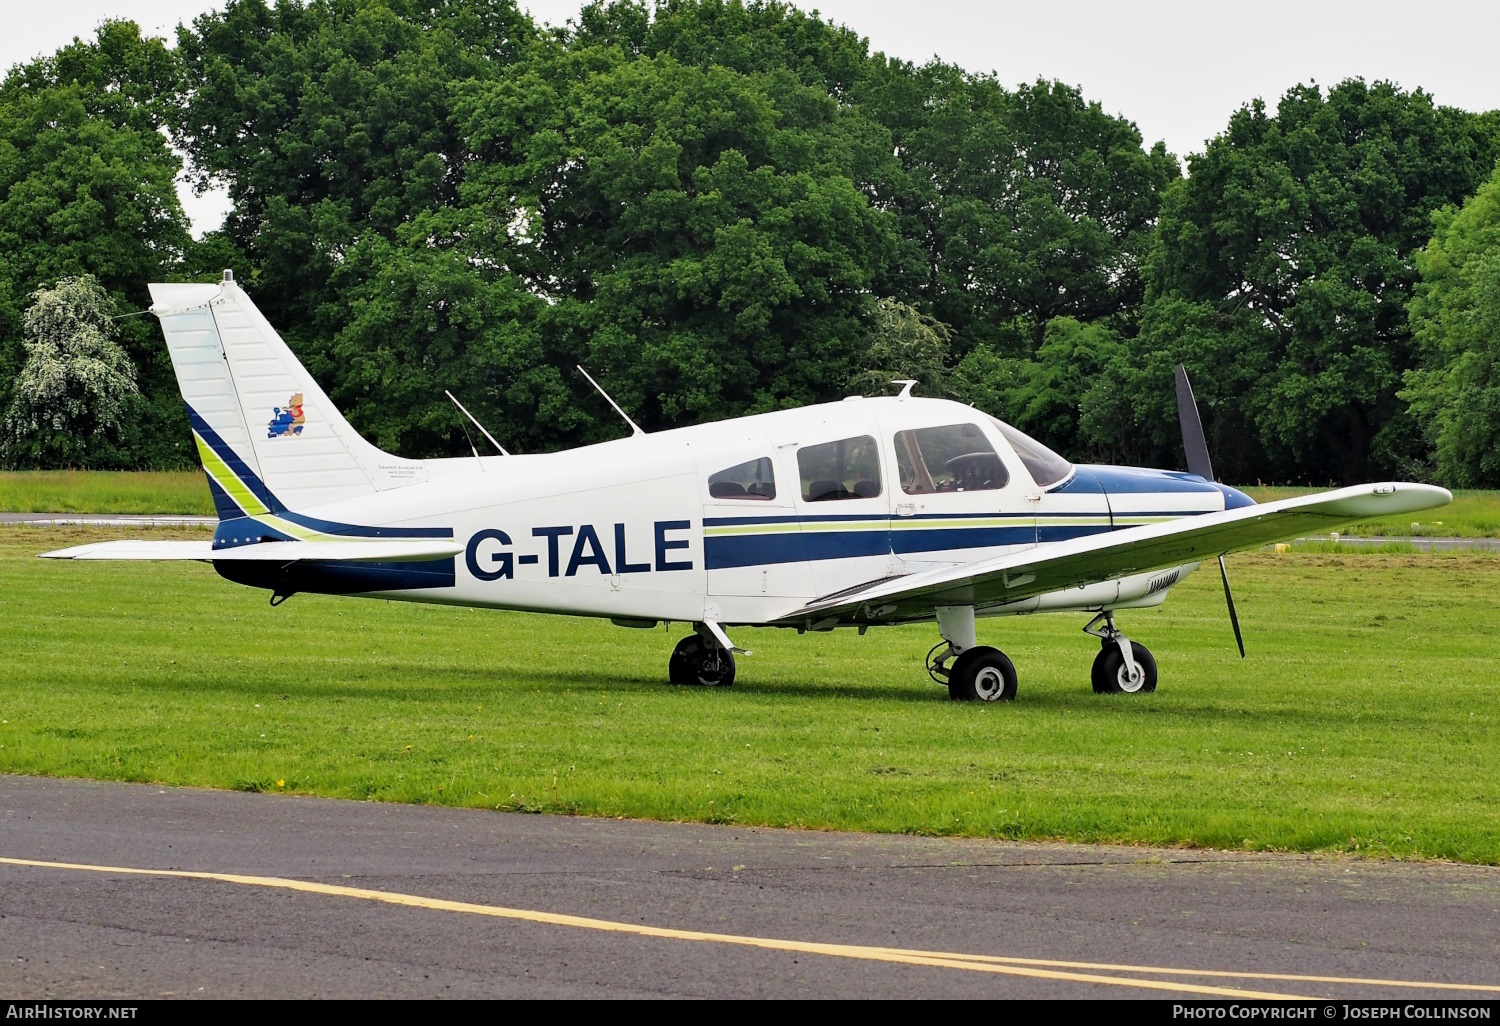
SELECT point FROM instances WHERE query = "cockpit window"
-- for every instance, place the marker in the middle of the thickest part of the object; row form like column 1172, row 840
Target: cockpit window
column 1047, row 468
column 953, row 458
column 846, row 469
column 753, row 480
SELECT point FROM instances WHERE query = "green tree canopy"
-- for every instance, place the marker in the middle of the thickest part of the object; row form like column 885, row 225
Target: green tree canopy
column 1027, row 205
column 1282, row 272
column 87, row 187
column 697, row 200
column 904, row 344
column 695, row 242
column 331, row 120
column 1455, row 395
column 727, row 206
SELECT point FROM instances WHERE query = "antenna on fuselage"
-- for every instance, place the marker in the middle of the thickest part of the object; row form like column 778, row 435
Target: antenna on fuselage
column 907, row 383
column 634, row 427
column 475, row 422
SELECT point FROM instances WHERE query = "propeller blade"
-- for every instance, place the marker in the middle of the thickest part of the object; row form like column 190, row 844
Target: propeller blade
column 1229, row 598
column 1194, row 446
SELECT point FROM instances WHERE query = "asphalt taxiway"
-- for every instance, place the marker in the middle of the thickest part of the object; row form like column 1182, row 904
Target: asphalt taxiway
column 122, row 890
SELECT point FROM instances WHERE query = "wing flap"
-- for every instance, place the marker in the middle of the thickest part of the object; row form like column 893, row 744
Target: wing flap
column 1104, row 557
column 377, row 551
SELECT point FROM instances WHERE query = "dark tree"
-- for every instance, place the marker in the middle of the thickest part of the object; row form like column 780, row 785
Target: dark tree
column 1283, row 269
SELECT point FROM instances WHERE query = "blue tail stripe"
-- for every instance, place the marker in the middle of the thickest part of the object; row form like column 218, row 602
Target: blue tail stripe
column 226, row 507
column 230, row 510
column 239, row 467
column 244, row 530
column 356, row 531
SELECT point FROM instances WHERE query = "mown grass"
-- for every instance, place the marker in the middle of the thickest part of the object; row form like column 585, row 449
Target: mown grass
column 1472, row 514
column 100, row 491
column 1365, row 718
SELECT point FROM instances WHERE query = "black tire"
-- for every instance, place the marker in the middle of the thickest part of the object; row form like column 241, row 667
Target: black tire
column 982, row 674
column 695, row 663
column 1109, row 675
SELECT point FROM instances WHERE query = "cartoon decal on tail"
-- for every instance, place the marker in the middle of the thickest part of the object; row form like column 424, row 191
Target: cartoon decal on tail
column 288, row 422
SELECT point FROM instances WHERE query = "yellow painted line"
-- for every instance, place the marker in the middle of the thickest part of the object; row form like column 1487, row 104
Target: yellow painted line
column 1288, row 977
column 872, row 524
column 970, row 962
column 753, row 529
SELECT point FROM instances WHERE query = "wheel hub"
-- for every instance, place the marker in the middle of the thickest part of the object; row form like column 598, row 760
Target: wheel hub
column 1129, row 682
column 989, row 683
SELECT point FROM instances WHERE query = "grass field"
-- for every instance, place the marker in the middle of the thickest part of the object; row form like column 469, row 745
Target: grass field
column 97, row 491
column 1364, row 720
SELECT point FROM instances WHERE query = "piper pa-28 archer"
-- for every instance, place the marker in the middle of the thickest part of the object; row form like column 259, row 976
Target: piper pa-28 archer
column 846, row 514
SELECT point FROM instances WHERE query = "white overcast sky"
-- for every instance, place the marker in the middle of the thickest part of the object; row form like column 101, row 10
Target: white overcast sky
column 1175, row 67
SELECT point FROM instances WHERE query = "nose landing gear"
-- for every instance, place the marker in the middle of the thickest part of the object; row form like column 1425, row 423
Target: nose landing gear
column 1122, row 666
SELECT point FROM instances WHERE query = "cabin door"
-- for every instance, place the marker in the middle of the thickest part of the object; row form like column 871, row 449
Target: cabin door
column 752, row 545
column 843, row 507
column 959, row 495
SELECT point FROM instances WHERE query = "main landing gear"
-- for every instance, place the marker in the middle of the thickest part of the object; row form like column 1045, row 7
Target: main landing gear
column 700, row 661
column 978, row 673
column 1122, row 665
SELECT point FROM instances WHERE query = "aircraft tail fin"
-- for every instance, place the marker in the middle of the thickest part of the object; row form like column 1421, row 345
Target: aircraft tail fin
column 268, row 437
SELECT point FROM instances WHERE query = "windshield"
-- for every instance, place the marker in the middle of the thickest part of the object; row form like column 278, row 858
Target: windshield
column 952, row 458
column 1047, row 467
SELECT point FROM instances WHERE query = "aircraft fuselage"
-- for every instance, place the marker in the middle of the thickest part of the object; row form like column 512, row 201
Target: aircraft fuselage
column 636, row 530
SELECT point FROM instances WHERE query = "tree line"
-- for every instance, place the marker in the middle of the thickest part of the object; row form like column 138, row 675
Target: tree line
column 722, row 208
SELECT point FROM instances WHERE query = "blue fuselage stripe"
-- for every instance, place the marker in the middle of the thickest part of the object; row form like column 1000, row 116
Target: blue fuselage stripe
column 356, row 531
column 725, row 551
column 940, row 538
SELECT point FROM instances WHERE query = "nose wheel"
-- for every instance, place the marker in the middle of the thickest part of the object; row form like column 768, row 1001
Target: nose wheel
column 1122, row 666
column 1112, row 677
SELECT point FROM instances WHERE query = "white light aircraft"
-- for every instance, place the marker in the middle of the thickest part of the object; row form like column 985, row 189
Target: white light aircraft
column 846, row 514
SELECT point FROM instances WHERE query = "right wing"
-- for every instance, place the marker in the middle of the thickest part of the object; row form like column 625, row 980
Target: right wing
column 1058, row 566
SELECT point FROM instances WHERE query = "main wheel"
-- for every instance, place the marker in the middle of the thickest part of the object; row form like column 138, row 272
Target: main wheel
column 982, row 675
column 695, row 663
column 1112, row 677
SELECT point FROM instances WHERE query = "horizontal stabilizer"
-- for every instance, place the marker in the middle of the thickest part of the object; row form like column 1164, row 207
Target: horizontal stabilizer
column 275, row 552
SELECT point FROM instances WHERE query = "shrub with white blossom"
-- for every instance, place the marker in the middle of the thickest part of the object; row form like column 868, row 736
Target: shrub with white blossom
column 75, row 389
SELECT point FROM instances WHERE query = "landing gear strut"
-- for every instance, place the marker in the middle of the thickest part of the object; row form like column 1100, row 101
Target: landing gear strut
column 978, row 673
column 1122, row 665
column 701, row 662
